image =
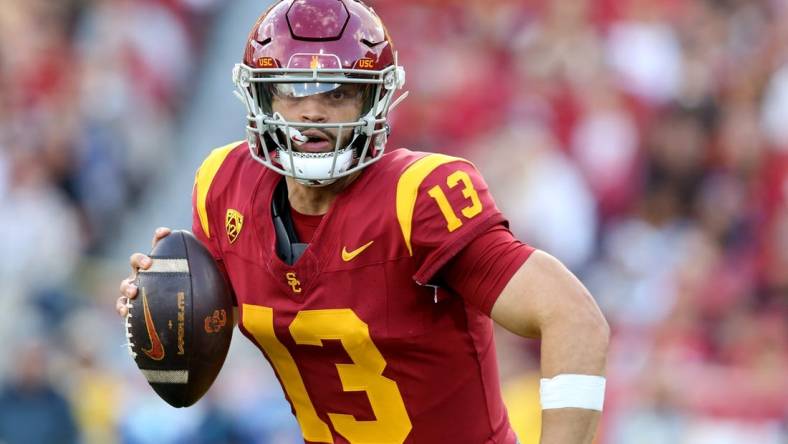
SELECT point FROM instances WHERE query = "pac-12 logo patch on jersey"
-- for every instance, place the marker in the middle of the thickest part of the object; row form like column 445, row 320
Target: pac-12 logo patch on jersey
column 233, row 223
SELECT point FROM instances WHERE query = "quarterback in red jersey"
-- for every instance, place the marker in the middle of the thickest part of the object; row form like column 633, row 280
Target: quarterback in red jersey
column 370, row 279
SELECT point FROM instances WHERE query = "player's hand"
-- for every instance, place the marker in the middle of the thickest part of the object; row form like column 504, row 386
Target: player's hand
column 137, row 261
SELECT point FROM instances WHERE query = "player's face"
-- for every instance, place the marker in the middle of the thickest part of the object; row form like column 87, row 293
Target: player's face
column 310, row 104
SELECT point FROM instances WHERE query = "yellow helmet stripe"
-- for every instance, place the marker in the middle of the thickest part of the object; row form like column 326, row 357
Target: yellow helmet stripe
column 408, row 188
column 204, row 178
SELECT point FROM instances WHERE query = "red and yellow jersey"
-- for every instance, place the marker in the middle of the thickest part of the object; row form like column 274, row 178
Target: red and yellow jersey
column 365, row 348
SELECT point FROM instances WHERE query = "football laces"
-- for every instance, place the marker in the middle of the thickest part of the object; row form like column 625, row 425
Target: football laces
column 129, row 344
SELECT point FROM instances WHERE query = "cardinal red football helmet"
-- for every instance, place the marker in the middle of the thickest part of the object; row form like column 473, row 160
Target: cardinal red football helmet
column 307, row 47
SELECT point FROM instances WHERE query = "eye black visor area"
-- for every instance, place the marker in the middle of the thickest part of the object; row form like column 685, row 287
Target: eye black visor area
column 336, row 94
column 299, row 90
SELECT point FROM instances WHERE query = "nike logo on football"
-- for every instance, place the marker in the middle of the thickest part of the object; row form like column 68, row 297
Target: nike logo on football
column 348, row 256
column 156, row 351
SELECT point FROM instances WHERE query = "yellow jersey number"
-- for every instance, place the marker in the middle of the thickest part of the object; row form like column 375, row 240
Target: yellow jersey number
column 468, row 191
column 311, row 327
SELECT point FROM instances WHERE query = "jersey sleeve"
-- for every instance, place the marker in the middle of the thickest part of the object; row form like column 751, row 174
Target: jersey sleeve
column 203, row 224
column 482, row 269
column 443, row 204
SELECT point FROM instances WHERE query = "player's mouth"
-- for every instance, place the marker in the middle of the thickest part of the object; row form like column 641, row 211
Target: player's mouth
column 316, row 142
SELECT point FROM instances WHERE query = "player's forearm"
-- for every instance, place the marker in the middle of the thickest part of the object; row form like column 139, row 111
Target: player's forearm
column 544, row 299
column 569, row 426
column 572, row 347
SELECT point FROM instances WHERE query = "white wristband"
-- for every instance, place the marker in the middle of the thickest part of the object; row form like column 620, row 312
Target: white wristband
column 578, row 391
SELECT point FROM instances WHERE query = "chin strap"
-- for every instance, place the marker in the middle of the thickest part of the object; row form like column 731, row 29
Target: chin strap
column 287, row 246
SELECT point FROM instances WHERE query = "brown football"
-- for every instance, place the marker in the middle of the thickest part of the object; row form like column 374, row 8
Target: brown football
column 180, row 324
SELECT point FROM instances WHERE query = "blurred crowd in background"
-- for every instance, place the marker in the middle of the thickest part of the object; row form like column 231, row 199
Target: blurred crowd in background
column 643, row 142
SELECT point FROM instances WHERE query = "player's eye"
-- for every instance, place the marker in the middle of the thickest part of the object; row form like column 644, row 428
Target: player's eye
column 345, row 93
column 337, row 95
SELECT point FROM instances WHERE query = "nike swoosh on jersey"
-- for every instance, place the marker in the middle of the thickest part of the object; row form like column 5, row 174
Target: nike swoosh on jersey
column 156, row 351
column 348, row 256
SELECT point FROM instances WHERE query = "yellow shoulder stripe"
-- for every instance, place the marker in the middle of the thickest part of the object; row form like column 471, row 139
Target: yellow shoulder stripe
column 408, row 189
column 204, row 178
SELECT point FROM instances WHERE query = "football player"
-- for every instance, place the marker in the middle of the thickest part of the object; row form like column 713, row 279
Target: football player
column 368, row 278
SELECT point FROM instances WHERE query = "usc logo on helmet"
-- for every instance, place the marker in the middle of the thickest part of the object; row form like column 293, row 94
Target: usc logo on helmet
column 266, row 62
column 366, row 64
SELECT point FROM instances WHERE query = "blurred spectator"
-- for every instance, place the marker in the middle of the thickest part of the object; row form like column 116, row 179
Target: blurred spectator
column 31, row 410
column 645, row 53
column 775, row 108
column 605, row 142
column 543, row 191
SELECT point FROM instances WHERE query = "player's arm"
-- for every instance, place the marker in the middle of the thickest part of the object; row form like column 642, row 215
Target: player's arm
column 202, row 216
column 544, row 299
column 532, row 294
column 461, row 236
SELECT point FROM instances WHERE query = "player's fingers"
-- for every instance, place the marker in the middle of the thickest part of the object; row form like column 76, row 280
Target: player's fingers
column 127, row 291
column 127, row 288
column 123, row 285
column 159, row 234
column 139, row 260
column 120, row 306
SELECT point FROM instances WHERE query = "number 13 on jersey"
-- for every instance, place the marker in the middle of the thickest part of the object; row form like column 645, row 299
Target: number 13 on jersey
column 468, row 191
column 311, row 327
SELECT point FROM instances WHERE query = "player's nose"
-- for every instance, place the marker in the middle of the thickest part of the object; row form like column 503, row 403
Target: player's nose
column 311, row 109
